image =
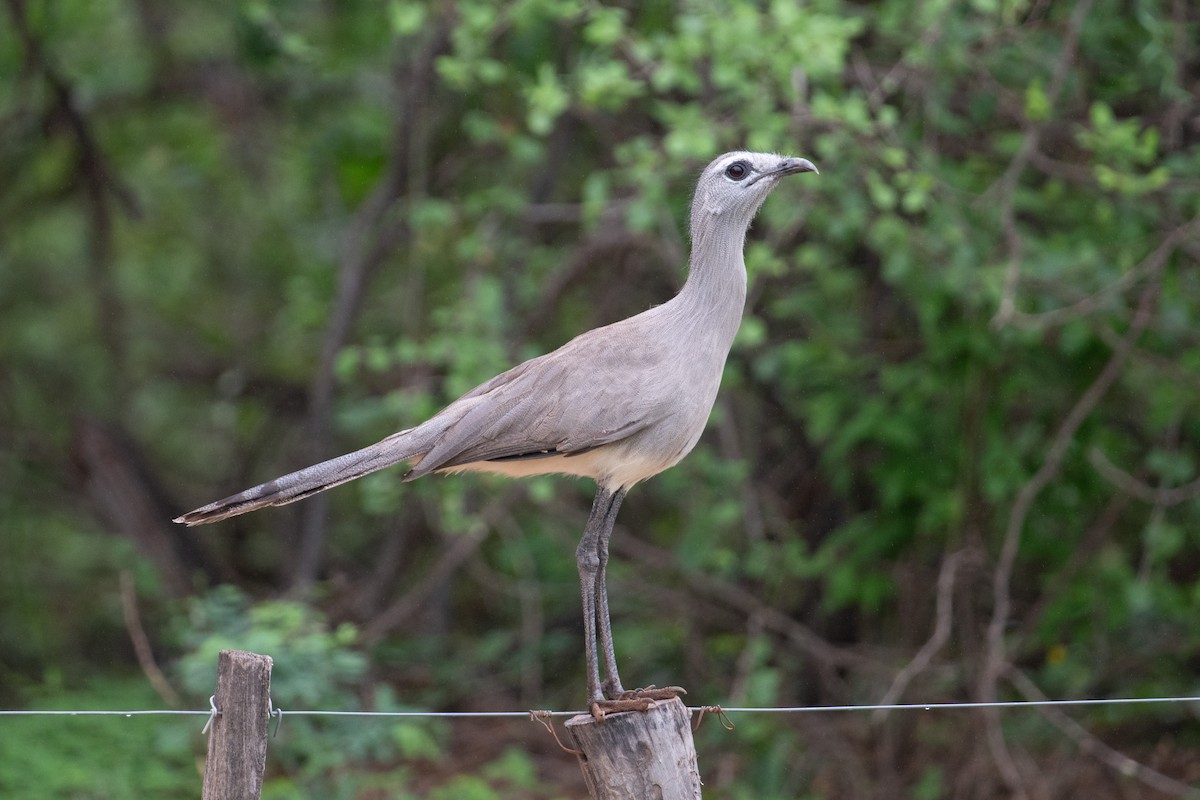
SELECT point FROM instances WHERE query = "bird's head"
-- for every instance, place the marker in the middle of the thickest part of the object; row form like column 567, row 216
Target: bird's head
column 734, row 185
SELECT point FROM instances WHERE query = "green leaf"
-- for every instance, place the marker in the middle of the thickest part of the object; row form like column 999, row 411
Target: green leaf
column 547, row 99
column 407, row 17
column 1037, row 104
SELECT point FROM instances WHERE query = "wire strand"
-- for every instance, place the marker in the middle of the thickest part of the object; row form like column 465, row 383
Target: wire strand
column 1011, row 704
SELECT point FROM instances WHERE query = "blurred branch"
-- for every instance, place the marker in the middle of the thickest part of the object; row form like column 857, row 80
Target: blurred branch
column 128, row 499
column 1150, row 265
column 368, row 591
column 608, row 249
column 528, row 590
column 1082, row 555
column 746, row 602
column 369, row 239
column 141, row 643
column 899, row 72
column 1075, row 173
column 729, row 435
column 1165, row 365
column 1155, row 495
column 1175, row 119
column 996, row 658
column 457, row 551
column 99, row 182
column 1007, row 185
column 941, row 630
column 92, row 160
column 1089, row 743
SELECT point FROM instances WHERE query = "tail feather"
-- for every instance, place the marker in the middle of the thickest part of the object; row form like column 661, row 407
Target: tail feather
column 308, row 481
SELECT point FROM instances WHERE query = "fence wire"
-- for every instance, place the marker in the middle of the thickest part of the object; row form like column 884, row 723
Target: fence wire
column 952, row 706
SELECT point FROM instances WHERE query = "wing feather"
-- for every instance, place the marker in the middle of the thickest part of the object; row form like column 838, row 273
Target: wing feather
column 585, row 395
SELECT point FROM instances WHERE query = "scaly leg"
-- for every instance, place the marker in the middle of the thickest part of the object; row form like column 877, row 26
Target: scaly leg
column 592, row 559
column 612, row 681
column 587, row 559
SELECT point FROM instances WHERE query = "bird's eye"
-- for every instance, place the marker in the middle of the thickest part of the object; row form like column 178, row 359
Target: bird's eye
column 737, row 170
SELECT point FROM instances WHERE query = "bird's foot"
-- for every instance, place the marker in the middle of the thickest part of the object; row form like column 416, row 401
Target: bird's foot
column 652, row 692
column 634, row 700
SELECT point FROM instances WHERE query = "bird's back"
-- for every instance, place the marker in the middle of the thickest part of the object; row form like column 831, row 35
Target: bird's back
column 617, row 404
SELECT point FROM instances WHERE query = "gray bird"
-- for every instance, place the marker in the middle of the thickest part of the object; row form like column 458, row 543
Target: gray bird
column 617, row 404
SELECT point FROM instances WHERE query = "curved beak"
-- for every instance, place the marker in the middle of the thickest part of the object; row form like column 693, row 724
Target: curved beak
column 790, row 166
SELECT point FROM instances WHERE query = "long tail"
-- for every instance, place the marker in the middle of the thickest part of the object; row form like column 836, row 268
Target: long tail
column 307, row 481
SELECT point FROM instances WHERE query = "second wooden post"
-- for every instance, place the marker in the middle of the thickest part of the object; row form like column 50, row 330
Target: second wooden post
column 635, row 755
column 237, row 742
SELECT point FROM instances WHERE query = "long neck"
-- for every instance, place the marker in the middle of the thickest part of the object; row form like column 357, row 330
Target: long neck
column 714, row 295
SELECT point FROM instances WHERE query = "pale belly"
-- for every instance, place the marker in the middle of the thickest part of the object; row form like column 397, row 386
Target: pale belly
column 612, row 466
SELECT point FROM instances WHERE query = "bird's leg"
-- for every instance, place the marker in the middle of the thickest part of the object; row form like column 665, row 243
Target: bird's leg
column 612, row 681
column 592, row 559
column 587, row 559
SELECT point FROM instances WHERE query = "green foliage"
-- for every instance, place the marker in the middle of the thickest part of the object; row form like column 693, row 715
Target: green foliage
column 317, row 668
column 99, row 758
column 1000, row 216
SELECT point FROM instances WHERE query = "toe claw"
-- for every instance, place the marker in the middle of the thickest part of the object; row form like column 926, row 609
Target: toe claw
column 633, row 700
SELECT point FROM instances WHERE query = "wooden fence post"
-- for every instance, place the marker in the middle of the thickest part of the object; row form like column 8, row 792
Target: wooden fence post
column 237, row 741
column 639, row 754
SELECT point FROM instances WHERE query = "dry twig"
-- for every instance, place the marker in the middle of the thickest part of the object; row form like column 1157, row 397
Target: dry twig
column 141, row 643
column 941, row 632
